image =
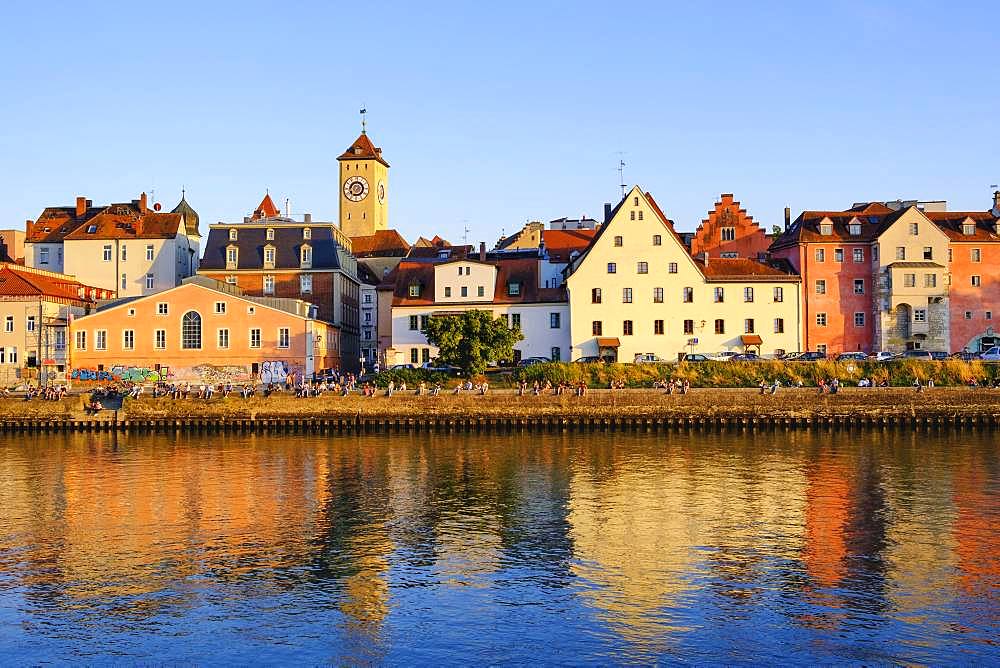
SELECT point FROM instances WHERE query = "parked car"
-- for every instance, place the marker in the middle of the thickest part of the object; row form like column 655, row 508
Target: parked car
column 917, row 355
column 440, row 367
column 646, row 358
column 724, row 356
column 746, row 357
column 401, row 367
column 695, row 357
column 528, row 361
column 883, row 356
column 811, row 356
column 791, row 357
column 857, row 356
column 991, row 355
column 966, row 355
column 939, row 354
column 589, row 359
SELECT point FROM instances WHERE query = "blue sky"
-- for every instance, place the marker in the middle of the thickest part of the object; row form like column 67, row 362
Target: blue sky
column 495, row 113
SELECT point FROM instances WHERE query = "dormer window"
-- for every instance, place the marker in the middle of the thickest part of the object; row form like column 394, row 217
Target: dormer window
column 513, row 289
column 270, row 234
column 91, row 229
column 968, row 229
column 307, row 233
column 232, row 234
column 414, row 290
column 269, row 254
column 306, row 257
column 232, row 257
column 854, row 229
column 826, row 229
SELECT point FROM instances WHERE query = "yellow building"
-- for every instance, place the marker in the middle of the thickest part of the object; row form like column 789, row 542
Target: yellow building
column 637, row 290
column 364, row 183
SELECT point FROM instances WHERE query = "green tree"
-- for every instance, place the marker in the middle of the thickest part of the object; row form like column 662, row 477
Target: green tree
column 471, row 340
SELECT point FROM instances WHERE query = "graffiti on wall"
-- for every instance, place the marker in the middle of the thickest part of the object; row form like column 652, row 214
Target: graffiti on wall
column 122, row 373
column 274, row 371
column 210, row 373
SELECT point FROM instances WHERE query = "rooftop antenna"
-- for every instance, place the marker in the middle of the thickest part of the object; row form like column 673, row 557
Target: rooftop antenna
column 621, row 172
column 465, row 236
column 364, row 124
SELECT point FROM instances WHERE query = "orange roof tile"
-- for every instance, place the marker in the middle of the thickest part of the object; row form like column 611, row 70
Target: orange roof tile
column 383, row 242
column 740, row 268
column 560, row 243
column 266, row 208
column 18, row 281
column 363, row 149
column 123, row 221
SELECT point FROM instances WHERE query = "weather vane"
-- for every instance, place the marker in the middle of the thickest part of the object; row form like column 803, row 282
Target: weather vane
column 363, row 124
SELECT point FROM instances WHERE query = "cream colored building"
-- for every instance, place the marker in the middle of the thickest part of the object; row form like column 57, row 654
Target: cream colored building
column 364, row 183
column 636, row 290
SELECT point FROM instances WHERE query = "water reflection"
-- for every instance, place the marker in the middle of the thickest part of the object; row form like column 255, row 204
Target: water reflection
column 813, row 547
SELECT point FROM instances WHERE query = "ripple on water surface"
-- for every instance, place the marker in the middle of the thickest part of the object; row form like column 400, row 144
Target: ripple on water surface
column 859, row 547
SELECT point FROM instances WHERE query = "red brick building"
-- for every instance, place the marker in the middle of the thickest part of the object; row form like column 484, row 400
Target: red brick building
column 729, row 232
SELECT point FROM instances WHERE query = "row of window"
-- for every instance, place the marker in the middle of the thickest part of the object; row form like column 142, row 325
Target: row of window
column 270, row 255
column 975, row 254
column 464, row 291
column 108, row 253
column 269, row 233
column 191, row 338
column 642, row 267
column 513, row 320
column 305, row 283
column 687, row 295
column 749, row 327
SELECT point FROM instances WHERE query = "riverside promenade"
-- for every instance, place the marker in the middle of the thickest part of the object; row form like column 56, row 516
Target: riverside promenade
column 504, row 410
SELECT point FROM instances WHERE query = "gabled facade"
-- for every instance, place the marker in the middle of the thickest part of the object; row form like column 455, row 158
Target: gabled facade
column 728, row 232
column 879, row 278
column 637, row 290
column 506, row 285
column 276, row 256
column 128, row 247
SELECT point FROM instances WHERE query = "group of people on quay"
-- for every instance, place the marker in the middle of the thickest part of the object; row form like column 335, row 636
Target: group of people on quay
column 563, row 387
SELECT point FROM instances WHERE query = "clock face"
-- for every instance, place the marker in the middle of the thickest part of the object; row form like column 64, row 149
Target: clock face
column 381, row 192
column 355, row 188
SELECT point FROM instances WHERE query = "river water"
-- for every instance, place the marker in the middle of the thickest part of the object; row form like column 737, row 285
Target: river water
column 545, row 549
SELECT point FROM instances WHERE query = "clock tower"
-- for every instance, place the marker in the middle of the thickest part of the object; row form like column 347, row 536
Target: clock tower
column 364, row 189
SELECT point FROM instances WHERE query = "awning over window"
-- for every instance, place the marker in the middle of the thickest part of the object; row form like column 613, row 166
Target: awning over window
column 751, row 340
column 608, row 343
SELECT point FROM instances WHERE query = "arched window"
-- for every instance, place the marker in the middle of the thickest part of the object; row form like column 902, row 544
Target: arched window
column 191, row 331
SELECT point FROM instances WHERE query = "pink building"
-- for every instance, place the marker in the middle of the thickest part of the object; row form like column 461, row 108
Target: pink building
column 202, row 331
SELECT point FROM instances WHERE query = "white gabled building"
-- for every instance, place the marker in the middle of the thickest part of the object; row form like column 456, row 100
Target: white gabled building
column 637, row 290
column 505, row 284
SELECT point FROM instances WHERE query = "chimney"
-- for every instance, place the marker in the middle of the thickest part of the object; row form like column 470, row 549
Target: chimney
column 27, row 226
column 788, row 217
column 81, row 206
column 704, row 258
column 142, row 203
column 996, row 203
column 607, row 211
column 482, row 251
column 288, row 210
column 307, row 218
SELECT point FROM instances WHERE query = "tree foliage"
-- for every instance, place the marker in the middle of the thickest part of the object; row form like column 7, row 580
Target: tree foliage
column 471, row 340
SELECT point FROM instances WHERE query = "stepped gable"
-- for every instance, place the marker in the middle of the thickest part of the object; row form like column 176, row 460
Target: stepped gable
column 750, row 239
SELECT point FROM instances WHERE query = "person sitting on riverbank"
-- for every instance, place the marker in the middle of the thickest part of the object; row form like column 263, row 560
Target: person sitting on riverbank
column 484, row 387
column 917, row 385
column 581, row 389
column 821, row 384
column 437, row 390
column 390, row 388
column 775, row 385
column 762, row 385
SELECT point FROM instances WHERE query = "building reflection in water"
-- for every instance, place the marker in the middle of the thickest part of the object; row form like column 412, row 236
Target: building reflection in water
column 655, row 538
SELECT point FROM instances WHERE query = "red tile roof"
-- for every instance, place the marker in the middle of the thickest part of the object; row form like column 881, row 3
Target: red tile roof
column 516, row 270
column 560, row 243
column 363, row 149
column 18, row 281
column 55, row 222
column 266, row 208
column 740, row 269
column 952, row 222
column 386, row 243
column 125, row 221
